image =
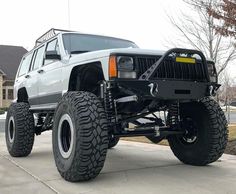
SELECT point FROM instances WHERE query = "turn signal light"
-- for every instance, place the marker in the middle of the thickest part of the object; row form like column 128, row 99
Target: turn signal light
column 112, row 67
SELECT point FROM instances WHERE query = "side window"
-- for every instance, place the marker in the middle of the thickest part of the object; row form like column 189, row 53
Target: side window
column 25, row 64
column 10, row 94
column 38, row 58
column 52, row 46
column 4, row 94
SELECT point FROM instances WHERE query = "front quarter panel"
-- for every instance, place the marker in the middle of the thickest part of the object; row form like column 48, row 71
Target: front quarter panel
column 19, row 83
column 68, row 69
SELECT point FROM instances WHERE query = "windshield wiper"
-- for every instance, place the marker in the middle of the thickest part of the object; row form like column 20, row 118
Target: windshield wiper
column 78, row 52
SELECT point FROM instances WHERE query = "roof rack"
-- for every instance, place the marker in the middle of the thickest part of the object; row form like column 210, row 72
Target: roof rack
column 49, row 34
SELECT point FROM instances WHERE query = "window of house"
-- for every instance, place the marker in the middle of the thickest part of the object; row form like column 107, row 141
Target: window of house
column 4, row 94
column 10, row 94
column 52, row 46
column 25, row 64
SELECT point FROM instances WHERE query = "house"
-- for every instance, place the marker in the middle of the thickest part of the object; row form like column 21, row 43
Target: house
column 10, row 57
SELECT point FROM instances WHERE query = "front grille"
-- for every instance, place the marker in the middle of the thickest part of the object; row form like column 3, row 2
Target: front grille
column 169, row 69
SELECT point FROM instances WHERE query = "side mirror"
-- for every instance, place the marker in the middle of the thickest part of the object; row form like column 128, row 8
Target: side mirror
column 52, row 55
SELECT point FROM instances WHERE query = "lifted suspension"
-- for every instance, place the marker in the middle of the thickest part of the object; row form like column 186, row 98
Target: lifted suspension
column 155, row 128
column 155, row 131
column 44, row 123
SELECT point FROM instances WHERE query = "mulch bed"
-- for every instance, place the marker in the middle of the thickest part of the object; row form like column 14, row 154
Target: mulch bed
column 231, row 147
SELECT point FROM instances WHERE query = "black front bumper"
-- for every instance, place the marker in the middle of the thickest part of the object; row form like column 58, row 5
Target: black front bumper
column 166, row 89
column 171, row 88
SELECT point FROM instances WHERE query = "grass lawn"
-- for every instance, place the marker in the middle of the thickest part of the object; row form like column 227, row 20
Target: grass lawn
column 232, row 132
column 143, row 140
column 232, row 136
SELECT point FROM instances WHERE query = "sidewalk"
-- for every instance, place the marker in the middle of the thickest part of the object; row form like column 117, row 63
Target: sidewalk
column 130, row 168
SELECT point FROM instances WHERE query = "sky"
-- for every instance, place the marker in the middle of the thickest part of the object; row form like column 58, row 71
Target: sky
column 143, row 21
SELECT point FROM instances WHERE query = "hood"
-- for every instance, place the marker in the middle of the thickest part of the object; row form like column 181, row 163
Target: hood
column 105, row 53
column 136, row 51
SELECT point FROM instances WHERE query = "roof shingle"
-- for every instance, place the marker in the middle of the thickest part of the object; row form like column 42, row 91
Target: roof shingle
column 10, row 57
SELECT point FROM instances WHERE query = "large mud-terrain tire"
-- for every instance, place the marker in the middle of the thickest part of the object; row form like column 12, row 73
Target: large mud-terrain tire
column 19, row 130
column 80, row 136
column 207, row 134
column 113, row 141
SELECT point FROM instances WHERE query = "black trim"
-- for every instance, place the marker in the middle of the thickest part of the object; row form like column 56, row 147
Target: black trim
column 47, row 99
column 166, row 90
column 149, row 74
column 43, row 107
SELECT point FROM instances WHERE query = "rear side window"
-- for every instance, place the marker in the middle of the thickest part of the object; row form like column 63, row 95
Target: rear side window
column 52, row 46
column 38, row 58
column 25, row 64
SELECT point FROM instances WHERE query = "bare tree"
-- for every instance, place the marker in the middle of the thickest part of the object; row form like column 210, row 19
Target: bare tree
column 199, row 31
column 227, row 92
column 226, row 13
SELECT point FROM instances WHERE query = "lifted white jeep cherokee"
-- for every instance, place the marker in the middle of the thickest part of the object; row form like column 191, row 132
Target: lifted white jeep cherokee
column 89, row 88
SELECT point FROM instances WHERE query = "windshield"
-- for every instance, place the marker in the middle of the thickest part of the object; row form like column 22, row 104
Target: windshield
column 79, row 43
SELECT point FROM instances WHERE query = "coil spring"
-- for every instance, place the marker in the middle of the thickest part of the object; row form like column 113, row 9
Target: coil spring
column 173, row 114
column 109, row 107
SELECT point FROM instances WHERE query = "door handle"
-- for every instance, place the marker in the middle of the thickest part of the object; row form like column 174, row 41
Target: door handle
column 27, row 76
column 40, row 71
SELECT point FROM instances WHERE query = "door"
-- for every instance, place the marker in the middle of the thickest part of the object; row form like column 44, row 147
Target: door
column 50, row 77
column 23, row 77
column 32, row 76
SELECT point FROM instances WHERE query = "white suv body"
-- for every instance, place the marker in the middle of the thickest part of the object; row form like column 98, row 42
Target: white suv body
column 46, row 83
column 87, row 89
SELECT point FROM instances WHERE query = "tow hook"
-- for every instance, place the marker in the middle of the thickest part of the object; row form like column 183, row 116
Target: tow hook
column 212, row 91
column 153, row 89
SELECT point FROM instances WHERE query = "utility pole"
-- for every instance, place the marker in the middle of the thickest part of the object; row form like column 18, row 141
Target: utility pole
column 68, row 9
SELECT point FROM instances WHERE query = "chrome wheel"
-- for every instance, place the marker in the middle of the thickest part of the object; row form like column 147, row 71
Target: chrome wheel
column 65, row 136
column 11, row 129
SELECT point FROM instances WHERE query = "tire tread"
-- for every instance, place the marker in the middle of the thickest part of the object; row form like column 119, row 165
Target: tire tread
column 24, row 129
column 217, row 136
column 91, row 136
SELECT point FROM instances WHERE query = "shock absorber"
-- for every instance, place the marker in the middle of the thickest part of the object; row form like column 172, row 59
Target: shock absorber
column 39, row 124
column 173, row 114
column 109, row 104
column 109, row 107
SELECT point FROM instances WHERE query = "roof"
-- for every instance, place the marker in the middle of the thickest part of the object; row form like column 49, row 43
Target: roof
column 54, row 32
column 10, row 57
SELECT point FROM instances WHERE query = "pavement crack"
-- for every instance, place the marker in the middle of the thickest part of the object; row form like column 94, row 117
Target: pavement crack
column 142, row 168
column 29, row 173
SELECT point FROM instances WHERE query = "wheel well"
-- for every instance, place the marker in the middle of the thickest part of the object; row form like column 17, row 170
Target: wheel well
column 86, row 78
column 22, row 95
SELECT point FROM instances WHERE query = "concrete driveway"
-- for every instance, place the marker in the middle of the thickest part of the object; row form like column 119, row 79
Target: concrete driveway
column 2, row 125
column 130, row 168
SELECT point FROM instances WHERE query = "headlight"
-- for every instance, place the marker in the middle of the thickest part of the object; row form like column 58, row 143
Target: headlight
column 125, row 63
column 125, row 66
column 122, row 67
column 212, row 72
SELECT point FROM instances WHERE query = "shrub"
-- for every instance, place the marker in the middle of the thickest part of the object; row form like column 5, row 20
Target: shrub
column 3, row 110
